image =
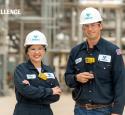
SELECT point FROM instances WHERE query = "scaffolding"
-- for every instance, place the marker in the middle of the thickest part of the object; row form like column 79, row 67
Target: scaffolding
column 59, row 20
column 3, row 48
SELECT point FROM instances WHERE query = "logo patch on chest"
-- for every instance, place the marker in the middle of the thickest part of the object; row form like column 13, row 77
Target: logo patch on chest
column 104, row 58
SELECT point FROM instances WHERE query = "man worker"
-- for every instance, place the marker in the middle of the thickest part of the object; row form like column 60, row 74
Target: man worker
column 95, row 70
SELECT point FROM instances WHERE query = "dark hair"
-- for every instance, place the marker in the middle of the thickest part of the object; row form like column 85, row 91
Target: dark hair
column 45, row 48
column 100, row 22
column 26, row 48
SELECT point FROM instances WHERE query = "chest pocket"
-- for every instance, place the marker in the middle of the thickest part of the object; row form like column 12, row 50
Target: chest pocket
column 103, row 70
column 48, row 78
column 35, row 82
column 79, row 65
column 49, row 83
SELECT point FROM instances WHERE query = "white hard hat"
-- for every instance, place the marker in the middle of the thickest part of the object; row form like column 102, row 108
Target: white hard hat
column 90, row 15
column 35, row 37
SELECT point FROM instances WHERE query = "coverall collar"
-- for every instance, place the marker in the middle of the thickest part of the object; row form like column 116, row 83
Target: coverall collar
column 84, row 45
column 31, row 66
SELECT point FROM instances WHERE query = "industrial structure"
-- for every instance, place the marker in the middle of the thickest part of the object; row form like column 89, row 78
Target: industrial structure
column 59, row 20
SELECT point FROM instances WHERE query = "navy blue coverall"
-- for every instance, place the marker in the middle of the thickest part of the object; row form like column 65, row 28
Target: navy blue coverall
column 33, row 99
column 108, row 85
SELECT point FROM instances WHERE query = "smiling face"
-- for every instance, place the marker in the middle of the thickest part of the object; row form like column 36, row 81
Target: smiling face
column 35, row 53
column 92, row 31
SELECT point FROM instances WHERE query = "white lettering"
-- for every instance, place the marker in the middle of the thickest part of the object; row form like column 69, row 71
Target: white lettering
column 10, row 11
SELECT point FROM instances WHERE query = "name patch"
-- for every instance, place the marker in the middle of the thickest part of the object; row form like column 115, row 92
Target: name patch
column 104, row 58
column 50, row 75
column 31, row 76
column 78, row 60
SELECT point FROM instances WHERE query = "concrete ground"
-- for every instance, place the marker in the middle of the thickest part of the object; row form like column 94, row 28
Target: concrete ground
column 63, row 107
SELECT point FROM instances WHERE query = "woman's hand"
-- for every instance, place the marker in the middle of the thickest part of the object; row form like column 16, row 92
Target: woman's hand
column 57, row 90
column 26, row 82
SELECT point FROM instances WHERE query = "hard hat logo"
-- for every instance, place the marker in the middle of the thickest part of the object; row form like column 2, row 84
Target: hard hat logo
column 90, row 15
column 35, row 37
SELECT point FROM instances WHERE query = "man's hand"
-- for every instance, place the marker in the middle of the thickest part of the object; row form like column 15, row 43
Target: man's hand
column 84, row 77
